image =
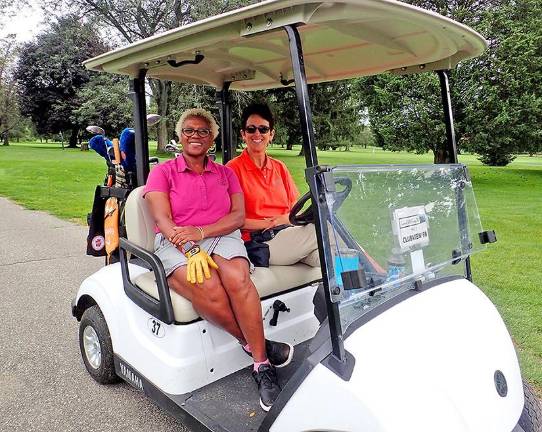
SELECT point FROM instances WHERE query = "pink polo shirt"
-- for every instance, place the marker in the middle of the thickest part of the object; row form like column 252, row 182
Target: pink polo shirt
column 195, row 199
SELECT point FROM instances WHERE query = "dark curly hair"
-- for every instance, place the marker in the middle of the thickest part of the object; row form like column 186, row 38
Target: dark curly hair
column 261, row 109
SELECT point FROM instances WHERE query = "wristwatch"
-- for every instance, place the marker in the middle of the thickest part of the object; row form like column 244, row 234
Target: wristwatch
column 190, row 248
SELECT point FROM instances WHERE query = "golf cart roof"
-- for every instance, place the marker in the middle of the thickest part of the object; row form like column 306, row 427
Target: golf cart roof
column 345, row 39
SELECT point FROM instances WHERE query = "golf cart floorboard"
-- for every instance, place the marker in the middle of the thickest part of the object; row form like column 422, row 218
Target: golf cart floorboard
column 232, row 403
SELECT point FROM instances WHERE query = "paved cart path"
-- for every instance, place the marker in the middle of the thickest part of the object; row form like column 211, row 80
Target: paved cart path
column 43, row 383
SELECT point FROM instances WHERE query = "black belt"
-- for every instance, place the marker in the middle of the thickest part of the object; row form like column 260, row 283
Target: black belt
column 266, row 235
column 257, row 249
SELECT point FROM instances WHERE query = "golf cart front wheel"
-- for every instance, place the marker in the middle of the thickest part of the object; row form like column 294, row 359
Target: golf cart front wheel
column 96, row 347
column 531, row 417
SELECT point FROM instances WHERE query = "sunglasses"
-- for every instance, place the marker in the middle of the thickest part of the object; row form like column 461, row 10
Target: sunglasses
column 262, row 129
column 202, row 133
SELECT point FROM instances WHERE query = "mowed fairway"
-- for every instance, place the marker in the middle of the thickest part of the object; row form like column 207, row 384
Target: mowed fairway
column 509, row 198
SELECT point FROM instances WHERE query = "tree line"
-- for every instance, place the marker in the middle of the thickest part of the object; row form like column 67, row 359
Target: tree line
column 496, row 97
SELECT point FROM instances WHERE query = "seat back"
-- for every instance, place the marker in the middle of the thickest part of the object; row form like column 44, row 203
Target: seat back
column 138, row 220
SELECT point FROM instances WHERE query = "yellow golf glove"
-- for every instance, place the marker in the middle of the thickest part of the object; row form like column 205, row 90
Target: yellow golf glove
column 198, row 264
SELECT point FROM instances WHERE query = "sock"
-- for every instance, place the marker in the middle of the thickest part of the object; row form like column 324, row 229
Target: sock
column 257, row 364
column 247, row 348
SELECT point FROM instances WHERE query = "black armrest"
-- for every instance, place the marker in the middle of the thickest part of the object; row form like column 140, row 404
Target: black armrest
column 161, row 309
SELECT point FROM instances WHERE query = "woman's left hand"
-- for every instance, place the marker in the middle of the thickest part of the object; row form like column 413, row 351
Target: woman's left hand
column 281, row 220
column 184, row 234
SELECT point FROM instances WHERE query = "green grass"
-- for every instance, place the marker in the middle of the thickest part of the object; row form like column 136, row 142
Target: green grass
column 61, row 182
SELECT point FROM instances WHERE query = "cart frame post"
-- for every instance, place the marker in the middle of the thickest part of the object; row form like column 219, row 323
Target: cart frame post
column 315, row 175
column 226, row 132
column 451, row 145
column 137, row 94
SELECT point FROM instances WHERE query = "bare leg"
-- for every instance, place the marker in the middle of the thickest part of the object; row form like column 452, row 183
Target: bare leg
column 209, row 299
column 245, row 302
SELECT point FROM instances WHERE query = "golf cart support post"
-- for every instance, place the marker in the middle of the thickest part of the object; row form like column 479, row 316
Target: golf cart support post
column 137, row 94
column 316, row 186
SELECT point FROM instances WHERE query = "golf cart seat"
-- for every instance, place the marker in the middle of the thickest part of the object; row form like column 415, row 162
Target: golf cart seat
column 268, row 281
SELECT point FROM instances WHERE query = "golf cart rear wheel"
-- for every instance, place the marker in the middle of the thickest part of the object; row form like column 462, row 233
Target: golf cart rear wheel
column 96, row 347
column 531, row 417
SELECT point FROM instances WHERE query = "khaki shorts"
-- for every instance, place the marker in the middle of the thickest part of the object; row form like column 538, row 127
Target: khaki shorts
column 227, row 246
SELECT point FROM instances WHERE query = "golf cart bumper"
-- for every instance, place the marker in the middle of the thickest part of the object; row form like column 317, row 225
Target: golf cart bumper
column 439, row 360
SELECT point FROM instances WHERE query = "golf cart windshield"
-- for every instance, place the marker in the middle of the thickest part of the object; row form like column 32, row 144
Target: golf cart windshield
column 394, row 225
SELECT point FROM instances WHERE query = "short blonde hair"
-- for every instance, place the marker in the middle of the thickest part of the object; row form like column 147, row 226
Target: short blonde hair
column 198, row 112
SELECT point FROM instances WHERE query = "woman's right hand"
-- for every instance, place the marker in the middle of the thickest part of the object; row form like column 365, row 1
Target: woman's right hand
column 181, row 234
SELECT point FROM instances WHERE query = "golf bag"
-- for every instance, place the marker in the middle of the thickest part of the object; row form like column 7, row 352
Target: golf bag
column 106, row 221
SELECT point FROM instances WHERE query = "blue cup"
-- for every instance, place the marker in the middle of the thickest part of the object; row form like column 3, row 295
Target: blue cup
column 343, row 263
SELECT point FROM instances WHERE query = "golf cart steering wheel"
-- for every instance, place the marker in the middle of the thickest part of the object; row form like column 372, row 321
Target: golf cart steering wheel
column 306, row 217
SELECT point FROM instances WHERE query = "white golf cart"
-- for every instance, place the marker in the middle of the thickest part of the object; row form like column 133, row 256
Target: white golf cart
column 390, row 333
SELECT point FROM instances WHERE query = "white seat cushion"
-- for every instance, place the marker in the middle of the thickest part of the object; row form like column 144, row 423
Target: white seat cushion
column 139, row 221
column 268, row 281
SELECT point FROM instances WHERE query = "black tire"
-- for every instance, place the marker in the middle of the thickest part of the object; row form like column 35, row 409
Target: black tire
column 102, row 370
column 531, row 417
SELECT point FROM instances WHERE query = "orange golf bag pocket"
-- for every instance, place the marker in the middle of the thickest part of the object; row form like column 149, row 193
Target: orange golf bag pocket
column 111, row 225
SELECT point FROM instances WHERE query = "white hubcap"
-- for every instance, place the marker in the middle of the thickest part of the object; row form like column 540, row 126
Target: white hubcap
column 93, row 349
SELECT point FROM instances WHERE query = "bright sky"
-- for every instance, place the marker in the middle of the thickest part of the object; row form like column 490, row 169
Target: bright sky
column 25, row 24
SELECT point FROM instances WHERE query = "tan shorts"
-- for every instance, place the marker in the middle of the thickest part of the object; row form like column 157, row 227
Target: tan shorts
column 227, row 246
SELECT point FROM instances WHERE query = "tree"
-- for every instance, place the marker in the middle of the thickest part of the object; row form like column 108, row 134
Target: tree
column 405, row 113
column 7, row 9
column 9, row 109
column 283, row 102
column 496, row 97
column 104, row 101
column 50, row 73
column 503, row 100
column 336, row 113
column 132, row 20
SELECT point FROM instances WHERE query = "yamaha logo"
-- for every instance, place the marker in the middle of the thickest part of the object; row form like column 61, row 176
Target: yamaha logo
column 130, row 376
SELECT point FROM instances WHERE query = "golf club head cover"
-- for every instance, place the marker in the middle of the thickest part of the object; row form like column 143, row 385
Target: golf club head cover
column 198, row 264
column 127, row 148
column 101, row 145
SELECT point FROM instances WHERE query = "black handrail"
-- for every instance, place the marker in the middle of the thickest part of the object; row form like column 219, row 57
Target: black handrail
column 162, row 308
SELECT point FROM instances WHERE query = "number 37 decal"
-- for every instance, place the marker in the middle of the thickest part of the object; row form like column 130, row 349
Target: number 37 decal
column 156, row 327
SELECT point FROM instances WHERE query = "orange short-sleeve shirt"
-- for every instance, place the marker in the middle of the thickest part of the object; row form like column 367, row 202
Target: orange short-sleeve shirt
column 269, row 191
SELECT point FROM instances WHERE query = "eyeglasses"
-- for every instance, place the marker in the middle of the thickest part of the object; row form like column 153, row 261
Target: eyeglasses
column 252, row 129
column 202, row 133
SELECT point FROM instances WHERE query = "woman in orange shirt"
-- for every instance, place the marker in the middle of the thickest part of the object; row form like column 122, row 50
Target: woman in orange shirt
column 270, row 193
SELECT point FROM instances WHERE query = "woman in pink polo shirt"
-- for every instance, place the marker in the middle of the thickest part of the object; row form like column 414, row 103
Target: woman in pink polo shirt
column 198, row 207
